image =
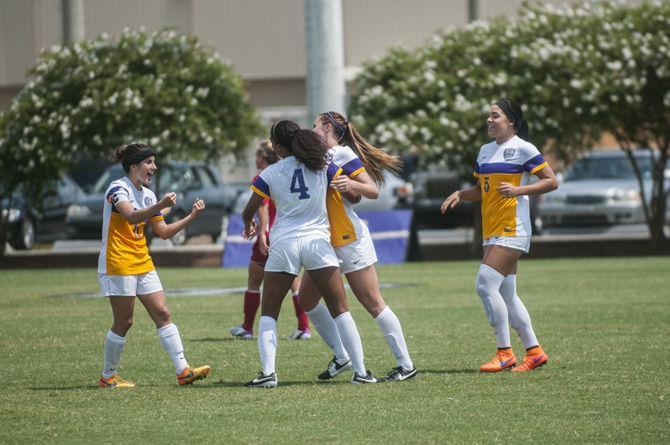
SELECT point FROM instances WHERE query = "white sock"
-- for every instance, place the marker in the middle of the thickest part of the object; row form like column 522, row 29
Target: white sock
column 390, row 325
column 518, row 314
column 171, row 342
column 325, row 325
column 113, row 348
column 267, row 343
column 352, row 341
column 488, row 288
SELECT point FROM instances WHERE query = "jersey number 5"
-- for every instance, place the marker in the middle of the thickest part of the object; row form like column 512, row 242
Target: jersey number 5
column 298, row 184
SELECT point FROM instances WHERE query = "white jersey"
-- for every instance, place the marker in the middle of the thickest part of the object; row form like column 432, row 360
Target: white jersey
column 299, row 194
column 124, row 248
column 345, row 225
column 513, row 162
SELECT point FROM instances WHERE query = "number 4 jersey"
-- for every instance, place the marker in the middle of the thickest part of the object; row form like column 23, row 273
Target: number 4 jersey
column 513, row 162
column 299, row 194
column 124, row 247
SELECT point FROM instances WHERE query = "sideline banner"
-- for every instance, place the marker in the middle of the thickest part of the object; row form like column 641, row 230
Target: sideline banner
column 389, row 230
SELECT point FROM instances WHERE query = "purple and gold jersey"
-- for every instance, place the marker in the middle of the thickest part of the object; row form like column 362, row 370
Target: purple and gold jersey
column 513, row 162
column 124, row 248
column 345, row 225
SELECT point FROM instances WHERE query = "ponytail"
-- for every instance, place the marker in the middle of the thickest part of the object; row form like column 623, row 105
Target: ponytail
column 305, row 145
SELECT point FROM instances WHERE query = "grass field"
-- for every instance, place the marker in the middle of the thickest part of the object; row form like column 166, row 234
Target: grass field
column 605, row 324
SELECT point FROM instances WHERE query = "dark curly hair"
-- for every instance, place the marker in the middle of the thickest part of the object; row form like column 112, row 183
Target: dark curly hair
column 305, row 145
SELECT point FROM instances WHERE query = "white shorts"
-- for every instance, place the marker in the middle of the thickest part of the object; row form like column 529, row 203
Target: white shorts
column 357, row 255
column 290, row 254
column 521, row 243
column 129, row 285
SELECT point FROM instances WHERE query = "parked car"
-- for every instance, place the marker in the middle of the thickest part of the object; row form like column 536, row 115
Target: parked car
column 599, row 188
column 431, row 188
column 29, row 223
column 190, row 180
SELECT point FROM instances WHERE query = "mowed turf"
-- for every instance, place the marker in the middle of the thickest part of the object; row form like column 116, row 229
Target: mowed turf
column 605, row 324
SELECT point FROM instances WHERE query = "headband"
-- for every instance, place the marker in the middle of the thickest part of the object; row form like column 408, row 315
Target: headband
column 330, row 117
column 137, row 157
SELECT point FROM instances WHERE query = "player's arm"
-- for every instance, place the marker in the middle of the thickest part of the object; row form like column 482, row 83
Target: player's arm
column 361, row 184
column 263, row 226
column 133, row 216
column 547, row 182
column 473, row 193
column 248, row 213
column 166, row 231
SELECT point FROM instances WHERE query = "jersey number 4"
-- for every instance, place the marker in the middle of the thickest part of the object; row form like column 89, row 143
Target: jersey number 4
column 298, row 184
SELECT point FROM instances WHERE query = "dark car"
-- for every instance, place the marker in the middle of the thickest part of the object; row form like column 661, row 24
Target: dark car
column 431, row 188
column 190, row 180
column 28, row 223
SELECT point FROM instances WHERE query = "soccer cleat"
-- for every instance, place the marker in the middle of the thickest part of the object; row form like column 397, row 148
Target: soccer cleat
column 263, row 381
column 532, row 360
column 190, row 375
column 114, row 382
column 334, row 368
column 504, row 359
column 241, row 333
column 300, row 335
column 399, row 373
column 367, row 378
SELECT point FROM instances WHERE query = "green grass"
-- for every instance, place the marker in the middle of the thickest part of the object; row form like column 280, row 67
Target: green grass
column 605, row 324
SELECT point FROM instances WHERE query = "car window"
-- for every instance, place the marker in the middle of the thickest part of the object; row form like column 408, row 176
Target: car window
column 607, row 167
column 111, row 174
column 206, row 177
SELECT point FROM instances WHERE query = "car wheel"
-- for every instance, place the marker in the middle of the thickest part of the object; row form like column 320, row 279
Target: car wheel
column 26, row 238
column 179, row 238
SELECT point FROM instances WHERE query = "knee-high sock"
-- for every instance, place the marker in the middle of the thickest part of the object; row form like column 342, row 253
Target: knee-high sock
column 171, row 342
column 252, row 300
column 390, row 325
column 327, row 328
column 267, row 343
column 113, row 349
column 352, row 341
column 303, row 321
column 518, row 314
column 488, row 288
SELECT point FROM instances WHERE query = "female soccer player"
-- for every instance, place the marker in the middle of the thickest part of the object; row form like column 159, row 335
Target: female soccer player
column 265, row 156
column 125, row 269
column 300, row 238
column 363, row 165
column 502, row 169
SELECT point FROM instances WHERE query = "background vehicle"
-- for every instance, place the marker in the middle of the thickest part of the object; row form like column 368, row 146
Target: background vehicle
column 431, row 188
column 28, row 223
column 190, row 180
column 395, row 193
column 600, row 188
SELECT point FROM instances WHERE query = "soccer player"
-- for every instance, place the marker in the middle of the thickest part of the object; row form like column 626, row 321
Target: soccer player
column 125, row 269
column 265, row 156
column 300, row 238
column 502, row 170
column 363, row 166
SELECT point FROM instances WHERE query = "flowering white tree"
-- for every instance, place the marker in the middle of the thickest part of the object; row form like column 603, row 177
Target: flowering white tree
column 161, row 88
column 578, row 70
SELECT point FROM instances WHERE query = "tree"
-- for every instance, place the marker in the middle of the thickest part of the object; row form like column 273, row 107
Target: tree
column 161, row 88
column 579, row 71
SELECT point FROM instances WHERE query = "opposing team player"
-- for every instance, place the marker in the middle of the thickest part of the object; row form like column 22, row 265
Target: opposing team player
column 125, row 269
column 265, row 156
column 502, row 169
column 300, row 238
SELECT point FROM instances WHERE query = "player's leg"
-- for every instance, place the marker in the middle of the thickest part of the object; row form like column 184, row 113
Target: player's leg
column 521, row 322
column 325, row 325
column 252, row 301
column 498, row 262
column 276, row 286
column 122, row 311
column 154, row 301
column 365, row 285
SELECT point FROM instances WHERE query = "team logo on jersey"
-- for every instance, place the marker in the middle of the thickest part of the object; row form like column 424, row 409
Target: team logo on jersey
column 329, row 157
column 508, row 153
column 148, row 201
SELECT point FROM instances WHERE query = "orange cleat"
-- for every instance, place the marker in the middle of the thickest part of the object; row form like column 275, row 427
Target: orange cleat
column 504, row 359
column 114, row 382
column 535, row 357
column 190, row 375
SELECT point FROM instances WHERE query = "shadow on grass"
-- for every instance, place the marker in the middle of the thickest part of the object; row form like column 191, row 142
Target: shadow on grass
column 282, row 384
column 67, row 388
column 448, row 371
column 214, row 340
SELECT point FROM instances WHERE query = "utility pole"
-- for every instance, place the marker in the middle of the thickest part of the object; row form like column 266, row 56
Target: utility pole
column 325, row 57
column 73, row 21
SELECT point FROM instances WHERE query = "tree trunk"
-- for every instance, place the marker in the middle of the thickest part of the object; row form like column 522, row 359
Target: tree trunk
column 656, row 221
